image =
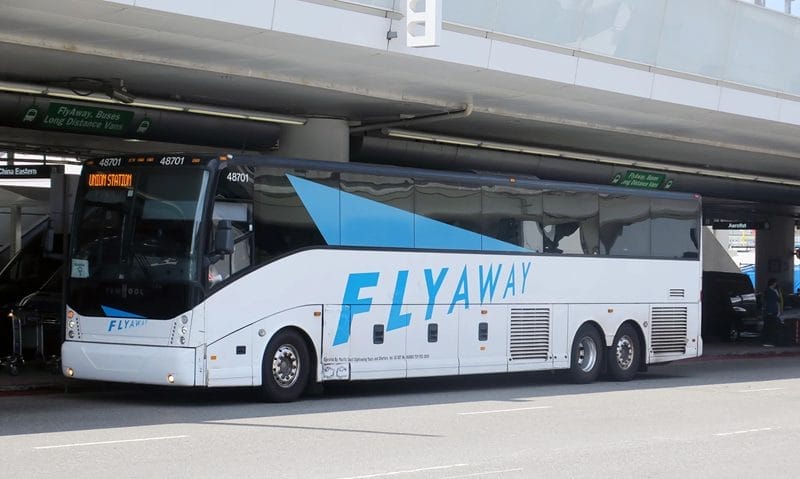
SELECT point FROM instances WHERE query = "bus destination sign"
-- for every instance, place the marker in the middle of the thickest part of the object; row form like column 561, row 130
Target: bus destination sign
column 110, row 180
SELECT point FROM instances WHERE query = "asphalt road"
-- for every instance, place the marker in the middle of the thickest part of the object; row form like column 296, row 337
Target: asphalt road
column 726, row 419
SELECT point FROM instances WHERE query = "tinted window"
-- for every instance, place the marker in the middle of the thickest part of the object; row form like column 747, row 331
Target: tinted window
column 135, row 245
column 377, row 211
column 674, row 228
column 570, row 223
column 624, row 225
column 164, row 215
column 513, row 215
column 455, row 205
column 282, row 222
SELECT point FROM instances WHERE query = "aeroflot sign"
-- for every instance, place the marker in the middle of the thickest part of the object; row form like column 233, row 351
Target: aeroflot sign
column 497, row 281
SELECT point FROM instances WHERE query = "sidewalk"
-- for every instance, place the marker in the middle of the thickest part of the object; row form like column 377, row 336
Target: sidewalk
column 745, row 349
column 31, row 377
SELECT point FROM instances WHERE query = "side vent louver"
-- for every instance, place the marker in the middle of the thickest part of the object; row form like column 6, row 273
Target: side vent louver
column 677, row 293
column 530, row 333
column 668, row 332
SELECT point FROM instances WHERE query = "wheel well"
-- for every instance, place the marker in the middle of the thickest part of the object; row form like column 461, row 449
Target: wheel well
column 596, row 326
column 312, row 352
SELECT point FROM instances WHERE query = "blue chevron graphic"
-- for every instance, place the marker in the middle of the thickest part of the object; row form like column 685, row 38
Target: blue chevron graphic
column 345, row 219
column 118, row 313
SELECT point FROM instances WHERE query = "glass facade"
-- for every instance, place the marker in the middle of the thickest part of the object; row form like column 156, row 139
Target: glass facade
column 719, row 39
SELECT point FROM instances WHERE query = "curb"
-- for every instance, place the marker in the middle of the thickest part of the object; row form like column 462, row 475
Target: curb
column 753, row 355
column 28, row 389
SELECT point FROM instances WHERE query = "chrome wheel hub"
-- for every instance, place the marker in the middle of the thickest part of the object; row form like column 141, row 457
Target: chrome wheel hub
column 587, row 354
column 624, row 352
column 285, row 366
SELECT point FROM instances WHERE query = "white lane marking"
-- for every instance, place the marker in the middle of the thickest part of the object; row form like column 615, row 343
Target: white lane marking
column 759, row 390
column 111, row 442
column 410, row 471
column 504, row 410
column 747, row 431
column 482, row 473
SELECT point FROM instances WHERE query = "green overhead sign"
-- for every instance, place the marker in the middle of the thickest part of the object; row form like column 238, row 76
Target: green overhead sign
column 80, row 118
column 642, row 179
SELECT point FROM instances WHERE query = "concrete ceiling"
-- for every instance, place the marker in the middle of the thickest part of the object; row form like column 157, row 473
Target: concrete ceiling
column 161, row 56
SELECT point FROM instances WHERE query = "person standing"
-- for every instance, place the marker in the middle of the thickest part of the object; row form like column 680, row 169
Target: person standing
column 772, row 311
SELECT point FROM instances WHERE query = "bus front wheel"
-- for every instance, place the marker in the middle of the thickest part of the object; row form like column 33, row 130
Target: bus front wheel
column 587, row 355
column 624, row 358
column 285, row 368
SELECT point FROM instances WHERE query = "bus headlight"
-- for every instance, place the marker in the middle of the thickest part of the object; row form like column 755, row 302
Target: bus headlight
column 73, row 325
column 180, row 331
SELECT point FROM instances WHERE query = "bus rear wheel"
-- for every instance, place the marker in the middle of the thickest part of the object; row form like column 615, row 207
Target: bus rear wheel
column 624, row 358
column 285, row 368
column 587, row 355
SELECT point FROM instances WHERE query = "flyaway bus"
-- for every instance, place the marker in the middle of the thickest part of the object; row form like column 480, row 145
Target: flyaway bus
column 256, row 271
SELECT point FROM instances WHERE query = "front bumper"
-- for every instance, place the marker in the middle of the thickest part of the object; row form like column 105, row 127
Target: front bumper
column 129, row 363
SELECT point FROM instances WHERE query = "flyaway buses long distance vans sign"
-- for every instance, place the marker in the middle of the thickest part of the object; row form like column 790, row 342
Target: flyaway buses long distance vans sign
column 642, row 179
column 83, row 119
column 86, row 118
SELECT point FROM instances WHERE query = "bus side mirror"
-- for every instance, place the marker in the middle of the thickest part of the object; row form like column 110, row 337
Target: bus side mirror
column 223, row 238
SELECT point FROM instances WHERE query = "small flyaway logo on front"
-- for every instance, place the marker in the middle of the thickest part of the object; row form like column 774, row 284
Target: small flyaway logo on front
column 120, row 324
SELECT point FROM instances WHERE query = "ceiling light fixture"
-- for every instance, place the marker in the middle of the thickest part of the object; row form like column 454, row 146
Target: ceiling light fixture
column 114, row 96
column 567, row 155
column 412, row 135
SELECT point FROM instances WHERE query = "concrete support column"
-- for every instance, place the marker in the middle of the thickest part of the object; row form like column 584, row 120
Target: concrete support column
column 15, row 228
column 319, row 139
column 775, row 254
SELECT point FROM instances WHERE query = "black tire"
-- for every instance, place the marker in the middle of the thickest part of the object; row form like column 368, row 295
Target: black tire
column 624, row 357
column 587, row 355
column 286, row 367
column 734, row 332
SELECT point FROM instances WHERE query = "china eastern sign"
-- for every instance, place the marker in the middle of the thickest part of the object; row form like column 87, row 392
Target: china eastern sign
column 85, row 119
column 642, row 179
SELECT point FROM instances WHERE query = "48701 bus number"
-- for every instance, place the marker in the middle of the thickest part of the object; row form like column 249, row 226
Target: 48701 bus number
column 237, row 177
column 172, row 161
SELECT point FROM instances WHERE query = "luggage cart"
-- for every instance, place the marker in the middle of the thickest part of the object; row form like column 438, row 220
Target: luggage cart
column 16, row 359
column 28, row 328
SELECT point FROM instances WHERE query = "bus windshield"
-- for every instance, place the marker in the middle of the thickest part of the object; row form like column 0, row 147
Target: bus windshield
column 135, row 246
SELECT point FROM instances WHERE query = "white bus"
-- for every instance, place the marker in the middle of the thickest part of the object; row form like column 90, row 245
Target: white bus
column 255, row 271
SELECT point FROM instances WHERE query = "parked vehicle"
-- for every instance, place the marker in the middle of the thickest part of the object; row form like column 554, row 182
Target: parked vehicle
column 730, row 307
